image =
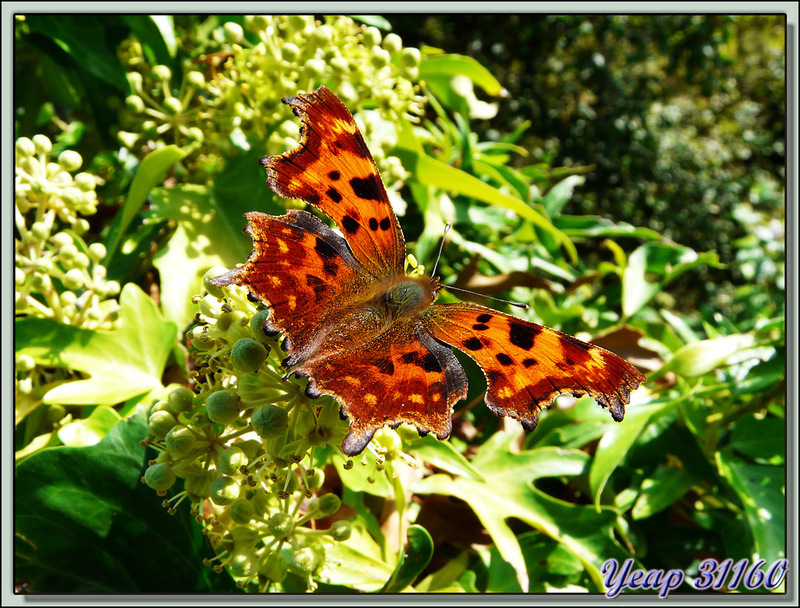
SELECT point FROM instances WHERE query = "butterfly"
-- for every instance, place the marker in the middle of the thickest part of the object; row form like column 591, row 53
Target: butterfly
column 362, row 331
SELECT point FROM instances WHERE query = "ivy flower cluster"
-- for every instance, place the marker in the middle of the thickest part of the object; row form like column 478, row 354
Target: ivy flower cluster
column 57, row 275
column 237, row 103
column 244, row 442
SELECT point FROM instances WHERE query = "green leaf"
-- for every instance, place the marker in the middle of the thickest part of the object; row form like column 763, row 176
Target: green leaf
column 157, row 32
column 151, row 172
column 617, row 441
column 83, row 38
column 432, row 172
column 762, row 491
column 445, row 67
column 91, row 430
column 664, row 487
column 86, row 524
column 763, row 439
column 509, row 492
column 121, row 364
column 413, row 561
column 699, row 358
column 590, row 226
column 357, row 562
column 204, row 237
column 444, row 456
column 559, row 195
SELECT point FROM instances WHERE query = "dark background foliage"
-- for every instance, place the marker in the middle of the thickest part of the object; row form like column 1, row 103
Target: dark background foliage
column 681, row 117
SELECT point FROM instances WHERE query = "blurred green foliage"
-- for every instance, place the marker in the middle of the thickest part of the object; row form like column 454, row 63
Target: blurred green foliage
column 681, row 117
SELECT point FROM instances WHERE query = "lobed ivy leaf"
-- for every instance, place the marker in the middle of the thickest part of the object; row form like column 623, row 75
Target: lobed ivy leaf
column 586, row 533
column 204, row 237
column 85, row 523
column 121, row 364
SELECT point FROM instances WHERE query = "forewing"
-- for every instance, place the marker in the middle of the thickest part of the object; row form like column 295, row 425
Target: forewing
column 333, row 170
column 299, row 267
column 527, row 365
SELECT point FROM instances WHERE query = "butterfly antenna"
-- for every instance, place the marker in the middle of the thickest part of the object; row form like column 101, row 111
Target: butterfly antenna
column 482, row 295
column 441, row 247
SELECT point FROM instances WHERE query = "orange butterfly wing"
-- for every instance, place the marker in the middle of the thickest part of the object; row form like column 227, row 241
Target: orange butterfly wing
column 527, row 365
column 333, row 170
column 403, row 375
column 369, row 336
column 301, row 268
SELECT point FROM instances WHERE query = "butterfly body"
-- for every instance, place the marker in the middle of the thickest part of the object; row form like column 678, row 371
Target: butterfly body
column 367, row 334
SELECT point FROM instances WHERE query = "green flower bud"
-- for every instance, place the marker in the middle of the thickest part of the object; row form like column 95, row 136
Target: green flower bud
column 149, row 128
column 290, row 52
column 161, row 423
column 41, row 283
column 242, row 511
column 257, row 23
column 213, row 273
column 173, row 105
column 74, row 279
column 180, row 440
column 314, row 479
column 42, row 144
column 112, row 288
column 24, row 363
column 161, row 72
column 280, row 525
column 250, row 447
column 134, row 103
column 19, row 277
column 223, row 406
column 134, row 80
column 244, row 563
column 55, row 413
column 257, row 326
column 379, row 58
column 270, row 421
column 127, row 139
column 233, row 32
column 24, row 147
column 81, row 226
column 247, row 355
column 97, row 251
column 159, row 477
column 322, row 35
column 232, row 460
column 85, row 182
column 411, row 57
column 315, row 67
column 195, row 134
column 244, row 536
column 305, row 561
column 324, row 506
column 180, row 400
column 249, row 384
column 224, row 491
column 196, row 79
column 274, row 568
column 341, row 530
column 40, row 231
column 372, row 36
column 393, row 43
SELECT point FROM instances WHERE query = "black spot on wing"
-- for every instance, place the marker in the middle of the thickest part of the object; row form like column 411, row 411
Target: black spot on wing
column 480, row 327
column 530, row 362
column 522, row 335
column 373, row 224
column 367, row 188
column 334, row 195
column 504, row 359
column 325, row 250
column 473, row 344
column 429, row 363
column 335, row 175
column 385, row 223
column 484, row 318
column 350, row 225
column 385, row 366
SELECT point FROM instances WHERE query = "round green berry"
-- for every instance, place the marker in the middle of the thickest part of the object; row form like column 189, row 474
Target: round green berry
column 223, row 406
column 232, row 460
column 180, row 400
column 159, row 477
column 305, row 561
column 324, row 506
column 161, row 423
column 247, row 355
column 341, row 530
column 180, row 440
column 270, row 421
column 242, row 511
column 280, row 525
column 224, row 491
column 244, row 563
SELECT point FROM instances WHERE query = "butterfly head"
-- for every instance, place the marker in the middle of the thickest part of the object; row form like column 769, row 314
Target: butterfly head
column 410, row 295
